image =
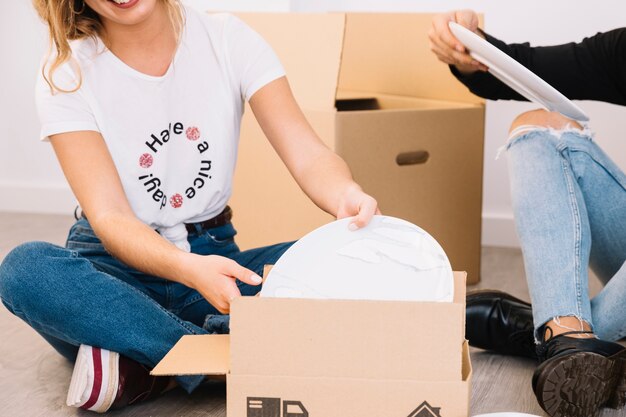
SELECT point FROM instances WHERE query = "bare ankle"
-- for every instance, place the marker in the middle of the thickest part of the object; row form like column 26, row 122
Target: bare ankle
column 567, row 324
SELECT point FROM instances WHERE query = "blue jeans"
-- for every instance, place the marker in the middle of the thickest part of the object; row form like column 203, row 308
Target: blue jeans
column 82, row 295
column 569, row 201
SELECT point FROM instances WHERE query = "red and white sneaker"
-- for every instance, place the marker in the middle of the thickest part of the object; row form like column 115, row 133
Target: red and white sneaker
column 104, row 380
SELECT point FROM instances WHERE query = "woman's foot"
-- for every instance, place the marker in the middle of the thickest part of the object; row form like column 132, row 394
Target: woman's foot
column 499, row 322
column 579, row 375
column 104, row 380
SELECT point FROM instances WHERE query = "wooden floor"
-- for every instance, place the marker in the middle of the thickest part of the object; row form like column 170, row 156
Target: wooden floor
column 34, row 378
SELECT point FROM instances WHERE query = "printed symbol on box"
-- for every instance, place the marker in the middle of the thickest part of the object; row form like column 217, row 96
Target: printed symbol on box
column 263, row 407
column 270, row 407
column 426, row 410
column 294, row 409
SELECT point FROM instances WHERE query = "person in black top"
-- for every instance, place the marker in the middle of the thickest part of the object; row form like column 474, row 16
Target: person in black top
column 569, row 201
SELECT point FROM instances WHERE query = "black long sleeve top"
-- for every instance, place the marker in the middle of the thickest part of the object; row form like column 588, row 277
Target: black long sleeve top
column 594, row 69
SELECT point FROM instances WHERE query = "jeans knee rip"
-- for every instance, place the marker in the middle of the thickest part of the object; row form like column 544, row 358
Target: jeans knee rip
column 524, row 132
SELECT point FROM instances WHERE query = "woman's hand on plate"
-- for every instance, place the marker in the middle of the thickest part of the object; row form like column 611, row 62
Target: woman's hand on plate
column 447, row 48
column 355, row 202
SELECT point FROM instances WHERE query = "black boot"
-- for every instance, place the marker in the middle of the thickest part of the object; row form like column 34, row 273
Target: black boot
column 577, row 377
column 499, row 322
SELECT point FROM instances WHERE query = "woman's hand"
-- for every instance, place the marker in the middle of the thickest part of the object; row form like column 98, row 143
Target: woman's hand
column 214, row 277
column 447, row 48
column 354, row 202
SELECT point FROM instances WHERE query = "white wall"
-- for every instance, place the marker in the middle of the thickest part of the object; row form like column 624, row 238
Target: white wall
column 30, row 179
column 29, row 176
column 240, row 5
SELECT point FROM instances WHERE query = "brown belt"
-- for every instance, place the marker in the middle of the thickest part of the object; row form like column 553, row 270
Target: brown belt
column 220, row 220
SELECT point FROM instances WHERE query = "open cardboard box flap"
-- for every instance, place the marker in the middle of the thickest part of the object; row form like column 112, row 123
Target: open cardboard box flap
column 330, row 338
column 331, row 55
column 206, row 354
column 309, row 47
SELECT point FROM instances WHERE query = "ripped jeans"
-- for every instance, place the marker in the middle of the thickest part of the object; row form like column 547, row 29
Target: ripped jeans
column 569, row 201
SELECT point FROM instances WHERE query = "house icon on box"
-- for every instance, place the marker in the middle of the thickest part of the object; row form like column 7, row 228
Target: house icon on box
column 425, row 410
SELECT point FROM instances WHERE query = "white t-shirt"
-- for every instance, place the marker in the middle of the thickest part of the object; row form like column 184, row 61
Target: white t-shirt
column 174, row 138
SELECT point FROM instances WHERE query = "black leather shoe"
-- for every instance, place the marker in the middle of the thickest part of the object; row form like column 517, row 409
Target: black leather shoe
column 499, row 322
column 579, row 376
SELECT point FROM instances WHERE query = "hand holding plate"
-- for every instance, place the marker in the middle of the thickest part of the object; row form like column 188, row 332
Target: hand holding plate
column 354, row 202
column 447, row 47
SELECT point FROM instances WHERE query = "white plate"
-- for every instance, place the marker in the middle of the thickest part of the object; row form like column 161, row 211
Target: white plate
column 390, row 259
column 506, row 414
column 515, row 75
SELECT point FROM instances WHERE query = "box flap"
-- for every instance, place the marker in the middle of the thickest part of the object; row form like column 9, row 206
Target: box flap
column 196, row 355
column 309, row 47
column 390, row 53
column 460, row 291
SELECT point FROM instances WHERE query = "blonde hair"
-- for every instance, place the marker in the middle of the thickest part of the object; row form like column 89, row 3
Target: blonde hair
column 68, row 20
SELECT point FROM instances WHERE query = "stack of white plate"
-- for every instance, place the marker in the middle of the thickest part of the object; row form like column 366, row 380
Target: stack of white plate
column 389, row 259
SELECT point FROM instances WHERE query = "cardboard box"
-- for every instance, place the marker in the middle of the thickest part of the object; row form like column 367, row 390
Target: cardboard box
column 374, row 92
column 336, row 358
